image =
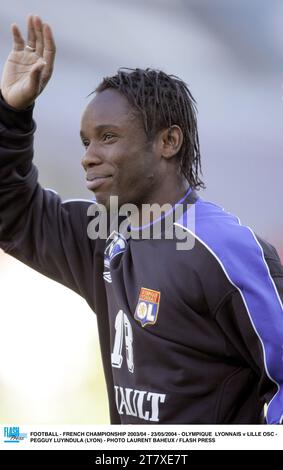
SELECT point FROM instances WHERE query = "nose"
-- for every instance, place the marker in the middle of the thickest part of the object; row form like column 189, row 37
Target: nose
column 90, row 158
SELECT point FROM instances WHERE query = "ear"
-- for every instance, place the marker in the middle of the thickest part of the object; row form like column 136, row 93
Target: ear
column 170, row 141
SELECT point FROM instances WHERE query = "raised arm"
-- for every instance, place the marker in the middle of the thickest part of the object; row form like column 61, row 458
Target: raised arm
column 36, row 227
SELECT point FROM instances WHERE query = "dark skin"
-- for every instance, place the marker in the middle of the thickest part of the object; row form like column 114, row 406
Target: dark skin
column 119, row 160
column 135, row 170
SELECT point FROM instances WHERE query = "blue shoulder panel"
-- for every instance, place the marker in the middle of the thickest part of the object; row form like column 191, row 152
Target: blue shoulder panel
column 240, row 255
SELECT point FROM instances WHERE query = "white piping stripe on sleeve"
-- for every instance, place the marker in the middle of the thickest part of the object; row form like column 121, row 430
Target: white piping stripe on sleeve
column 52, row 190
column 70, row 200
column 78, row 200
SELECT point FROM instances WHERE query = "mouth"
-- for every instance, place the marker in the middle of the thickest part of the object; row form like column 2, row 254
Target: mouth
column 94, row 182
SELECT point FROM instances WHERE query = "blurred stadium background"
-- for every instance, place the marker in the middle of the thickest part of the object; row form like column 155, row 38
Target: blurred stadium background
column 231, row 55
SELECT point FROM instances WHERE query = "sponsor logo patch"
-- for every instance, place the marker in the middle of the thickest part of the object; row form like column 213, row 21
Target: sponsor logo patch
column 148, row 305
column 115, row 245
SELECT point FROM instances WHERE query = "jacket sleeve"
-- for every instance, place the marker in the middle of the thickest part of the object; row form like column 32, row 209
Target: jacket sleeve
column 252, row 318
column 36, row 227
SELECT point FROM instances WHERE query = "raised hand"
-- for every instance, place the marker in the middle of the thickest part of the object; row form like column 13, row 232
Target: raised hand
column 29, row 65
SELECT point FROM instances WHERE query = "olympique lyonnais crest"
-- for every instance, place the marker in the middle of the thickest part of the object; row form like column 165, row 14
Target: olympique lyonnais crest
column 147, row 307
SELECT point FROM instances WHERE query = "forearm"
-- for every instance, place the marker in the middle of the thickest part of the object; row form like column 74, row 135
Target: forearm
column 35, row 226
column 17, row 177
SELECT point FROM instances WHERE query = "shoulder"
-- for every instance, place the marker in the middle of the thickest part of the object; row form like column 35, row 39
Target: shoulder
column 242, row 256
column 221, row 233
column 76, row 207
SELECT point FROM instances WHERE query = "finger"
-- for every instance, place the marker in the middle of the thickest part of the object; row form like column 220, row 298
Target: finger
column 18, row 41
column 35, row 74
column 49, row 50
column 31, row 32
column 38, row 26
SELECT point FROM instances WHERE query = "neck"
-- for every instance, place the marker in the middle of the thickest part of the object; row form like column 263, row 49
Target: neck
column 163, row 201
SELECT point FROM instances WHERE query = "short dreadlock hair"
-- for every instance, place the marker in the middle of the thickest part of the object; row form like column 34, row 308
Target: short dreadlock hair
column 162, row 100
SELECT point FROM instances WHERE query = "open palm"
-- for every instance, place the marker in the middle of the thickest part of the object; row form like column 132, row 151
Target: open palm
column 29, row 65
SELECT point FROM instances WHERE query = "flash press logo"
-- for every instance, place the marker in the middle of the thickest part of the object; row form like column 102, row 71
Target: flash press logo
column 12, row 434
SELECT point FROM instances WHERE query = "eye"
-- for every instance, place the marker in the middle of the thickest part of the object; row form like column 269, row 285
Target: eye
column 107, row 136
column 85, row 143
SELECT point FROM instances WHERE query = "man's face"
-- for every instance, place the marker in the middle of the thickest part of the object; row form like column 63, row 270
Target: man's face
column 119, row 160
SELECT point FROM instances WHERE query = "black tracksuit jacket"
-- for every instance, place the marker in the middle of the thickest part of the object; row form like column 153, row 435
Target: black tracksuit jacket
column 187, row 336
